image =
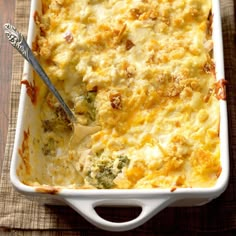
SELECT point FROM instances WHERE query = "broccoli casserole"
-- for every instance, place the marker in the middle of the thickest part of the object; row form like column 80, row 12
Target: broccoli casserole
column 142, row 71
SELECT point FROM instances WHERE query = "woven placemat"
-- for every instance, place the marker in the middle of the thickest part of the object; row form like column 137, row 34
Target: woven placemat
column 18, row 213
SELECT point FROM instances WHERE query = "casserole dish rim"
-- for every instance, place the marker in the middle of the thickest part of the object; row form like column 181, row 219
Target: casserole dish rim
column 68, row 195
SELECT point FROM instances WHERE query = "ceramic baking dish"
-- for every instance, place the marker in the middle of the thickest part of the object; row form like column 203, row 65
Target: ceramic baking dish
column 151, row 201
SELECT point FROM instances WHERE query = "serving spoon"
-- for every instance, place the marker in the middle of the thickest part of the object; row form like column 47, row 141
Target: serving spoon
column 18, row 41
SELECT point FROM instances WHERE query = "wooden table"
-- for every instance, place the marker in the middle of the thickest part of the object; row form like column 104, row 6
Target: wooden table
column 7, row 10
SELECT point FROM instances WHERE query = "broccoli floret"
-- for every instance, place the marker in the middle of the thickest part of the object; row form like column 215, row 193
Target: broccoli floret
column 90, row 98
column 85, row 105
column 103, row 171
column 123, row 161
column 49, row 147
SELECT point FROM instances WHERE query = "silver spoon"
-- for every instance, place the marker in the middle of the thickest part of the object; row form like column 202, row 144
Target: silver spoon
column 18, row 41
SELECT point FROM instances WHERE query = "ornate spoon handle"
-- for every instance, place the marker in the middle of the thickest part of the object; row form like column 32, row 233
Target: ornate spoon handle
column 18, row 41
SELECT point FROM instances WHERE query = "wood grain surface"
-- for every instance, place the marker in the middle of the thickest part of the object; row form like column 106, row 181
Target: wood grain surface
column 7, row 10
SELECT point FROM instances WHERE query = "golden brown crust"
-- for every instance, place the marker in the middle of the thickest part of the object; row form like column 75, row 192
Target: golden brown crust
column 143, row 71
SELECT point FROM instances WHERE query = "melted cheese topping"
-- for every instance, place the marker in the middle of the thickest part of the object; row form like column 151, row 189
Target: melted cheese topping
column 142, row 71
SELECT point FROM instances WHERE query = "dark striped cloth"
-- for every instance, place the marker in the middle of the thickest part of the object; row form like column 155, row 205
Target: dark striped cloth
column 19, row 216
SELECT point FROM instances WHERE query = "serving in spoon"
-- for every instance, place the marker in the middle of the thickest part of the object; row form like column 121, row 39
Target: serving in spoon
column 18, row 41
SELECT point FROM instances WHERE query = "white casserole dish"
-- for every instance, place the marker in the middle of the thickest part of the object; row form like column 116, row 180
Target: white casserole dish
column 151, row 201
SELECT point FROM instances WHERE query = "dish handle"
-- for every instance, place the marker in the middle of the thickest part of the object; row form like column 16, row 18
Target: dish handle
column 149, row 208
